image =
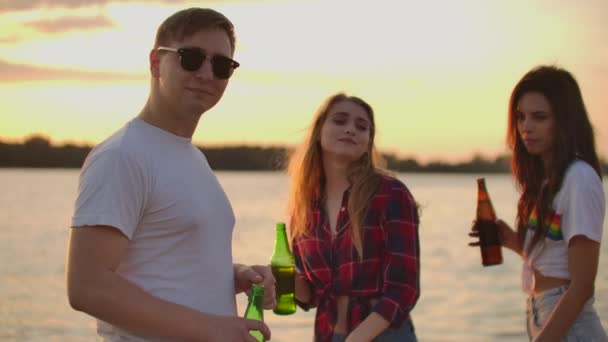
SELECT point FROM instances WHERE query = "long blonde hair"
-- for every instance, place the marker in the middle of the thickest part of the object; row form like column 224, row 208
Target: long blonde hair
column 308, row 179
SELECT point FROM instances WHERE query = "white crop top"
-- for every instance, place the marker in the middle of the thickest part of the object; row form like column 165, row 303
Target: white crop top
column 578, row 209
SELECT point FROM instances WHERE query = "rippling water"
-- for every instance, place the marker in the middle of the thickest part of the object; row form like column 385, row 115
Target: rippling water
column 460, row 300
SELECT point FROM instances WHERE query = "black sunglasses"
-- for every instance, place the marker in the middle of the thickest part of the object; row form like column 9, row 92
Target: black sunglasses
column 192, row 58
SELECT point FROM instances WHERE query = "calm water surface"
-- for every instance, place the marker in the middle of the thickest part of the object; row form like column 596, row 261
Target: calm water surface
column 460, row 300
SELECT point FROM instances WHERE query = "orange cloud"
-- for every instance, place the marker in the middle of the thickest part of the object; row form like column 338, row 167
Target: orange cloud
column 69, row 23
column 25, row 5
column 9, row 39
column 13, row 72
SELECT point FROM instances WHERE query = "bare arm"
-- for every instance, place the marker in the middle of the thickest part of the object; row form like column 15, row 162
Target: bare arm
column 509, row 237
column 372, row 326
column 303, row 290
column 583, row 256
column 94, row 287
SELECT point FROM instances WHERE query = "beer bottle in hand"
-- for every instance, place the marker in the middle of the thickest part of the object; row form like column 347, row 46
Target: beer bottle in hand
column 485, row 225
column 283, row 268
column 255, row 309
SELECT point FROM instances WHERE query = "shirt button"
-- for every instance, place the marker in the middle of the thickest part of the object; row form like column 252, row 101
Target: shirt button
column 342, row 209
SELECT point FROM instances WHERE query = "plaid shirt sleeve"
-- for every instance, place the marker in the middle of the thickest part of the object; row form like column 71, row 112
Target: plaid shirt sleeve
column 300, row 273
column 401, row 264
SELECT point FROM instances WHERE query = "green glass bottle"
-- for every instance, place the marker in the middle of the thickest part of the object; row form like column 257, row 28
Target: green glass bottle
column 255, row 309
column 283, row 267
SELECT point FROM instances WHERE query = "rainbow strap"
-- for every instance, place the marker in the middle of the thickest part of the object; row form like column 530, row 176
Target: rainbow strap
column 554, row 231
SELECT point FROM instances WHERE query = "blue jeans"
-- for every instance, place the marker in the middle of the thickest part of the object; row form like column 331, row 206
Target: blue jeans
column 404, row 334
column 587, row 326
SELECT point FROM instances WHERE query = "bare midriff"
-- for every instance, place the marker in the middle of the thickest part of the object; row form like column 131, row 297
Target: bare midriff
column 543, row 283
column 341, row 322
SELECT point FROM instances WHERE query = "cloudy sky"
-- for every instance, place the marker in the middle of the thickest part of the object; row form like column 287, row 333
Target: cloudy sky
column 438, row 73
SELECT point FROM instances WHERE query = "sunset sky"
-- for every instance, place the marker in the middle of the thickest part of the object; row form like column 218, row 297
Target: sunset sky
column 438, row 73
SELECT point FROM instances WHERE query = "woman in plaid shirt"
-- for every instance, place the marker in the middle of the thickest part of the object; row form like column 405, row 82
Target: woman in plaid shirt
column 354, row 231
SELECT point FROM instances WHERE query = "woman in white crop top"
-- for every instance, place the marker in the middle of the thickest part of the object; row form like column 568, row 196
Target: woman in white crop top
column 560, row 214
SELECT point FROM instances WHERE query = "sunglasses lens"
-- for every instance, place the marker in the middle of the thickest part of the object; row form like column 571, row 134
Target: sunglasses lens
column 222, row 67
column 191, row 59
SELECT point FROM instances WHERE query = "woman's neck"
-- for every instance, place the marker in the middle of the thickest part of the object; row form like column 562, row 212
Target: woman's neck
column 547, row 163
column 336, row 176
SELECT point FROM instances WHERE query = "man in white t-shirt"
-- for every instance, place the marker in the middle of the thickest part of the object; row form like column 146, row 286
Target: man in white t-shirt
column 150, row 251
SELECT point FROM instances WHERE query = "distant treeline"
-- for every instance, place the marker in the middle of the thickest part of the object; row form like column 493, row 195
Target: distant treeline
column 37, row 151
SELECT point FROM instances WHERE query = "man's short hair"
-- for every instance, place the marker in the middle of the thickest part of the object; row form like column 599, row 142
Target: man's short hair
column 187, row 22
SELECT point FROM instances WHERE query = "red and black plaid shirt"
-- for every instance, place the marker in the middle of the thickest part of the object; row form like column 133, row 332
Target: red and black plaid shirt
column 389, row 270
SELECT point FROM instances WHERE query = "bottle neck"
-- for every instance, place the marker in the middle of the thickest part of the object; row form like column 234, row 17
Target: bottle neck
column 485, row 209
column 257, row 295
column 282, row 255
column 255, row 308
column 280, row 244
column 481, row 186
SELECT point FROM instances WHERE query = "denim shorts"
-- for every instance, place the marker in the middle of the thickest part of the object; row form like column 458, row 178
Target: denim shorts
column 404, row 334
column 587, row 326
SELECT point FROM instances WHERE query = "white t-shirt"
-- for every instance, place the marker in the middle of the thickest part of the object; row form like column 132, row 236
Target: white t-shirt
column 159, row 191
column 577, row 209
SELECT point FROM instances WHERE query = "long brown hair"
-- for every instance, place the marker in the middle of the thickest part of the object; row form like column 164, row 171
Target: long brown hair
column 573, row 140
column 308, row 179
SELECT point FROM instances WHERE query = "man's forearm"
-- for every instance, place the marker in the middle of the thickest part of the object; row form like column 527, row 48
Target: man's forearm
column 119, row 302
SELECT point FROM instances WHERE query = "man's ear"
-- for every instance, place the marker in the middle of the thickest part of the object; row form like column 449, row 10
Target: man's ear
column 154, row 63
